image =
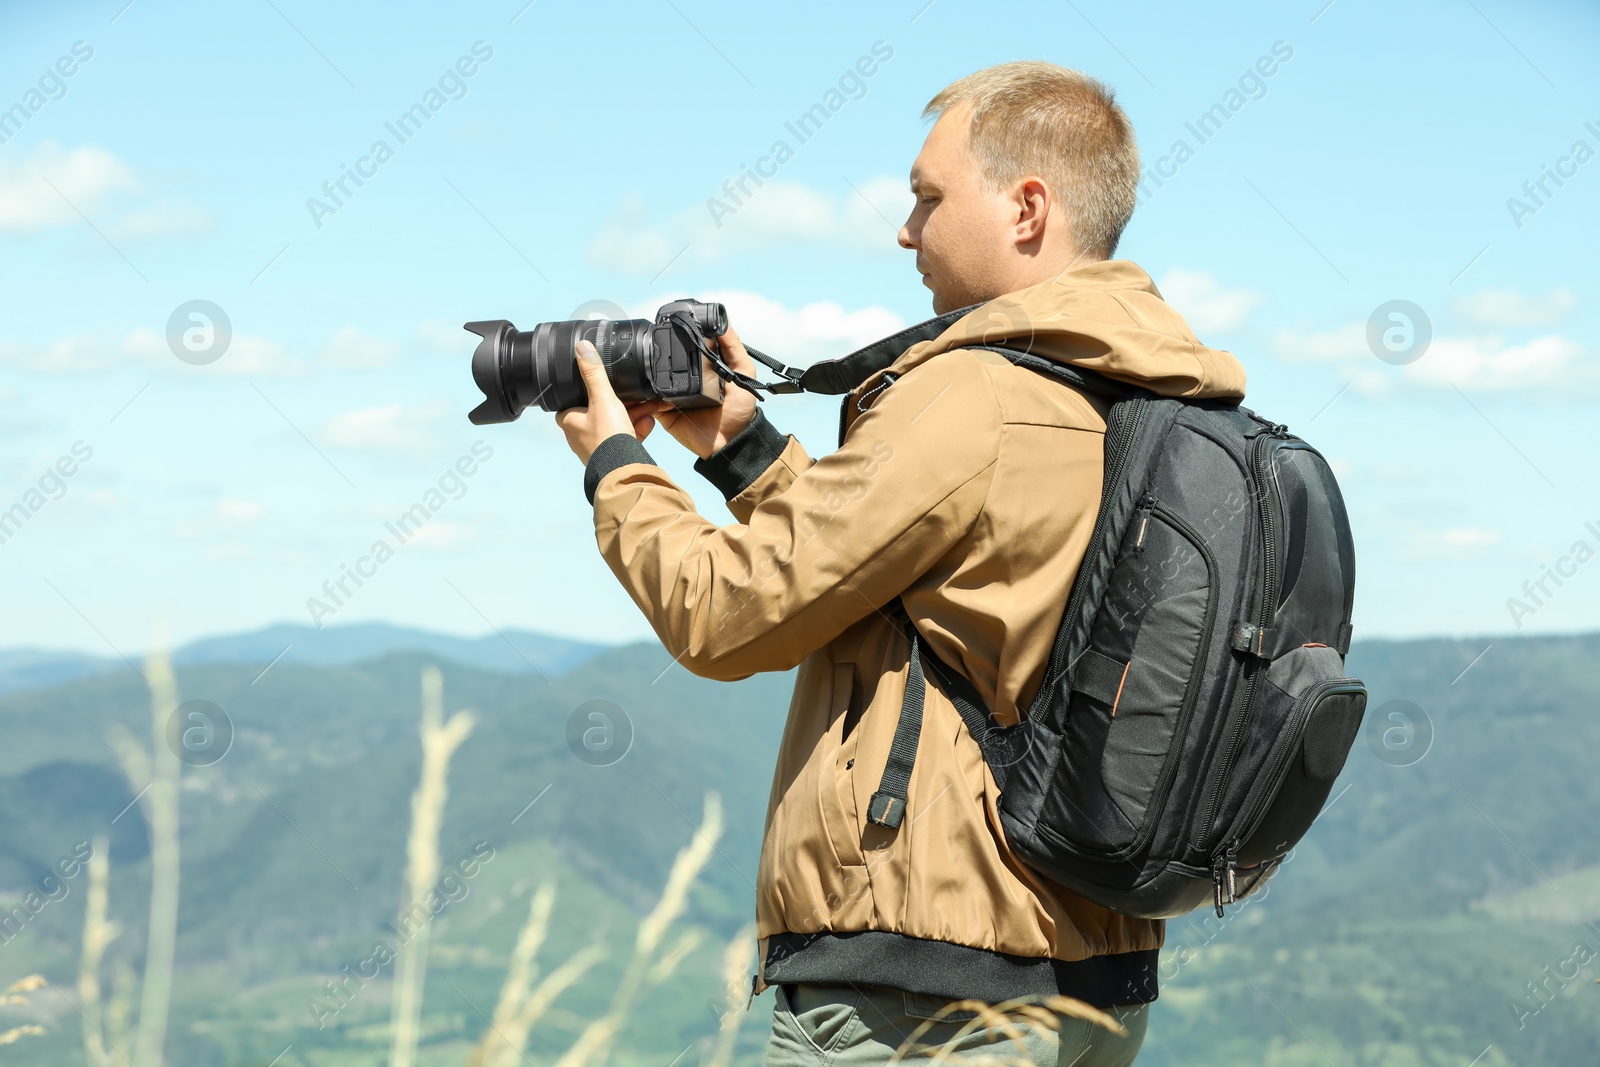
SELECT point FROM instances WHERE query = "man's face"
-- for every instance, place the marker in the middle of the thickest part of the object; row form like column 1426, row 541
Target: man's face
column 960, row 228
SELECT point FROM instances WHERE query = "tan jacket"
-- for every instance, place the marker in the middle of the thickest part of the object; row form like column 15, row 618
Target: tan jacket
column 970, row 486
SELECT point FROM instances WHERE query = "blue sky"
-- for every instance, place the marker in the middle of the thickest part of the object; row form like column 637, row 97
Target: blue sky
column 574, row 163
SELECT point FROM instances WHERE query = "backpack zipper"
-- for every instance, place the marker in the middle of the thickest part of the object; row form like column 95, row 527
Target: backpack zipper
column 1269, row 594
column 1158, row 801
column 1115, row 464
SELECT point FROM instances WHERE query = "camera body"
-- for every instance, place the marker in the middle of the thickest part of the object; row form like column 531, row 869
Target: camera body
column 659, row 359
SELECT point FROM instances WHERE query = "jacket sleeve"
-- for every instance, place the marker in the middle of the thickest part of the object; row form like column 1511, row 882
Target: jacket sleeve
column 845, row 535
column 759, row 462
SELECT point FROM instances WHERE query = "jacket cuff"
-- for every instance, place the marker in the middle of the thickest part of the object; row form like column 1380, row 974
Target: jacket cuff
column 742, row 460
column 615, row 451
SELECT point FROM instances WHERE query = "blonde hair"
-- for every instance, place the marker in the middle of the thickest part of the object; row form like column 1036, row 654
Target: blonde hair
column 1035, row 118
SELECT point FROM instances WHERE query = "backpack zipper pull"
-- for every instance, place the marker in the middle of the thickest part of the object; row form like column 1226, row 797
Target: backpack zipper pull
column 1223, row 865
column 1217, row 863
column 1146, row 506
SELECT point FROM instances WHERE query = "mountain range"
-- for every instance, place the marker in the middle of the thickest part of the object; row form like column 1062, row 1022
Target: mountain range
column 508, row 651
column 1445, row 905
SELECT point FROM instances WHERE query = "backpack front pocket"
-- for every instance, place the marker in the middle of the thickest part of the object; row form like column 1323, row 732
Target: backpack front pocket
column 1311, row 713
column 1127, row 714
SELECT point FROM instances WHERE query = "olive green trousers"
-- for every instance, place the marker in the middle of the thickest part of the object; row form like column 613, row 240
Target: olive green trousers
column 856, row 1025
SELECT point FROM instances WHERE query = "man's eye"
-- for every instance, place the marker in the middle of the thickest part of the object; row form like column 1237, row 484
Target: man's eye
column 928, row 199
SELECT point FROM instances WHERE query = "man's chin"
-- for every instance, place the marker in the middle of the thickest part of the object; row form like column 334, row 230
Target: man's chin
column 945, row 301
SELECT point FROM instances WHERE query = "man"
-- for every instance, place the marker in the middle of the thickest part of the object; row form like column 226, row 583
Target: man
column 969, row 488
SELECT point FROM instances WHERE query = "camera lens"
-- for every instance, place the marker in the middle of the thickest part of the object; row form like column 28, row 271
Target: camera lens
column 643, row 359
column 519, row 369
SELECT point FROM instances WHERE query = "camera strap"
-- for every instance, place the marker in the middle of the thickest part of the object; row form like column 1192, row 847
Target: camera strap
column 832, row 377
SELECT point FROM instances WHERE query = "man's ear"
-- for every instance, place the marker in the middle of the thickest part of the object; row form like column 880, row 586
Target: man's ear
column 1033, row 202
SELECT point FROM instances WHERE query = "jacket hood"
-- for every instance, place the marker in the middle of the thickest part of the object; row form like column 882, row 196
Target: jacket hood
column 1106, row 316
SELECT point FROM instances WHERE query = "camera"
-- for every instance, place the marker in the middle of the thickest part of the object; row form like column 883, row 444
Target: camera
column 668, row 358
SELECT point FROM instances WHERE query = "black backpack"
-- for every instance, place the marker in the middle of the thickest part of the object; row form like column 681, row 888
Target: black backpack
column 1195, row 711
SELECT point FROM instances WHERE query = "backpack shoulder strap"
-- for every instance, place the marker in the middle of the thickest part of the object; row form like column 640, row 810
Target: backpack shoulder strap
column 1001, row 746
column 1082, row 377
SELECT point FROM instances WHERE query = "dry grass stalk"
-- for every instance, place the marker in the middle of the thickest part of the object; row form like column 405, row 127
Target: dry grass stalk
column 736, row 962
column 440, row 740
column 598, row 1036
column 97, row 934
column 1046, row 1014
column 120, row 1007
column 18, row 1032
column 158, row 799
column 519, row 975
column 668, row 962
column 518, row 1009
column 533, row 1009
column 17, row 994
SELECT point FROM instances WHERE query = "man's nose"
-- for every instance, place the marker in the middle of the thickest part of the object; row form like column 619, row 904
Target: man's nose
column 904, row 236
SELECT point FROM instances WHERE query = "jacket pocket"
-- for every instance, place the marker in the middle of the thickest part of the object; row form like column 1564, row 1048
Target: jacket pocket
column 818, row 1016
column 836, row 792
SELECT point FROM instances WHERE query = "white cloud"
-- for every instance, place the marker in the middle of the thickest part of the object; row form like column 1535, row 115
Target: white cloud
column 82, row 178
column 803, row 335
column 49, row 186
column 109, row 500
column 352, row 349
column 1399, row 473
column 860, row 219
column 143, row 347
column 1469, row 537
column 385, row 428
column 445, row 338
column 1201, row 299
column 1488, row 363
column 1508, row 307
column 167, row 217
column 247, row 354
column 823, row 330
column 442, row 533
column 1459, row 542
column 1480, row 362
column 1343, row 343
column 235, row 512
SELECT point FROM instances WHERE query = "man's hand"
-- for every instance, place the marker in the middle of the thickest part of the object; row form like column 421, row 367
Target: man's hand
column 606, row 415
column 704, row 430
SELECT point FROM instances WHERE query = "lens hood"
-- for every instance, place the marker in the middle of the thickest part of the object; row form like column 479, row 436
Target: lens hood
column 488, row 360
